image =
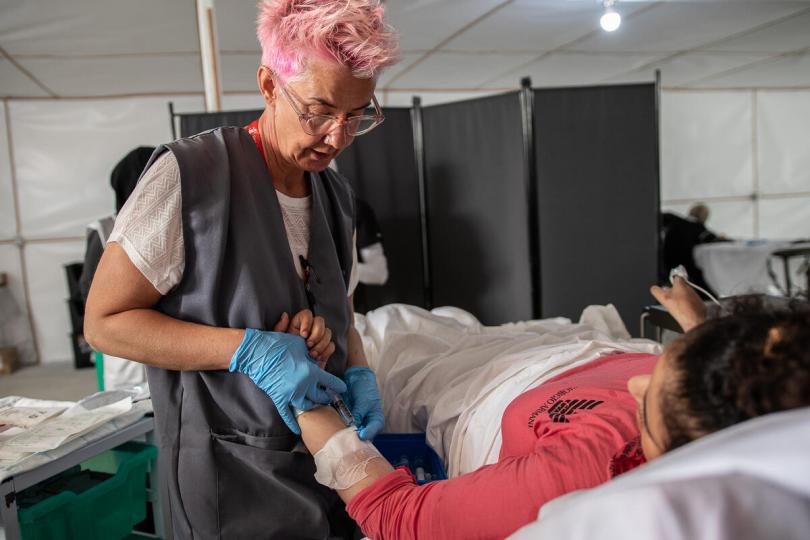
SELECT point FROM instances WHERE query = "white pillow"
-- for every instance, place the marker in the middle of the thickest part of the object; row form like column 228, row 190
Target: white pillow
column 749, row 481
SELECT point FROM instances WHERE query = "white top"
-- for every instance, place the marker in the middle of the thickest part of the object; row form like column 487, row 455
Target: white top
column 150, row 228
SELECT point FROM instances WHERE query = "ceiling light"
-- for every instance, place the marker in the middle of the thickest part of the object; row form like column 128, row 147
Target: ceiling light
column 611, row 20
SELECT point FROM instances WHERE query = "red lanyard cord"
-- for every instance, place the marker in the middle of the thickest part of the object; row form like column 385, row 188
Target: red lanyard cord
column 253, row 129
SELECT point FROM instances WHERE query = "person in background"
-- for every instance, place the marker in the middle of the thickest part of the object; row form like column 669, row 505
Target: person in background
column 123, row 179
column 229, row 235
column 679, row 236
column 699, row 213
column 118, row 372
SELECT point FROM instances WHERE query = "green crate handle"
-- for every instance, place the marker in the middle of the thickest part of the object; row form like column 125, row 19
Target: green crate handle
column 99, row 359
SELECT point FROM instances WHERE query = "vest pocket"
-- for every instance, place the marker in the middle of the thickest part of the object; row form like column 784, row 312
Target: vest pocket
column 267, row 442
column 264, row 490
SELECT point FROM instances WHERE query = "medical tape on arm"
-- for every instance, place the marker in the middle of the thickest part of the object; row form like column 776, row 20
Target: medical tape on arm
column 341, row 463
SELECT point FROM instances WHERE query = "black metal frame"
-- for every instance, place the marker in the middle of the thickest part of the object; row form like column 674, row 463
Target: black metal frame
column 421, row 172
column 530, row 166
column 660, row 247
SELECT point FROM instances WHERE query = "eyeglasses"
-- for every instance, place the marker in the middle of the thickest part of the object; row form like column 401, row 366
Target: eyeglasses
column 321, row 124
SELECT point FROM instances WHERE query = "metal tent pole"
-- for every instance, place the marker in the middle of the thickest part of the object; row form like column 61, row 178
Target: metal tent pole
column 209, row 55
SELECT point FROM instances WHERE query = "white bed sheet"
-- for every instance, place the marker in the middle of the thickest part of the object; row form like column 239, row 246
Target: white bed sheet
column 444, row 373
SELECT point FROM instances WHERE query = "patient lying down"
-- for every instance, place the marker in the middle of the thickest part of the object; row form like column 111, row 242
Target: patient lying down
column 581, row 428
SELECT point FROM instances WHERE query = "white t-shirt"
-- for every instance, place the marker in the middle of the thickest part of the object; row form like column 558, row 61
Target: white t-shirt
column 149, row 227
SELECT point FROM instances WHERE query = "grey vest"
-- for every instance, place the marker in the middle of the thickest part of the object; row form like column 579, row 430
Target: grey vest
column 226, row 454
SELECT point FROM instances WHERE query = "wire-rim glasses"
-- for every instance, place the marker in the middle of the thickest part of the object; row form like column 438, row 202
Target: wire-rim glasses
column 321, row 124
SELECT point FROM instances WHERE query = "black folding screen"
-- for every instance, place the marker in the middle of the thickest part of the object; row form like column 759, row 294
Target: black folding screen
column 191, row 124
column 533, row 203
column 382, row 169
column 477, row 207
column 597, row 196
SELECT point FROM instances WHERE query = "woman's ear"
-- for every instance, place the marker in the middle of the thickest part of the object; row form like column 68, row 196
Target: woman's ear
column 267, row 85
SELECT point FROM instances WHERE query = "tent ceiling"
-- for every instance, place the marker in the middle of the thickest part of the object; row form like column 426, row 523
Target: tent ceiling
column 115, row 47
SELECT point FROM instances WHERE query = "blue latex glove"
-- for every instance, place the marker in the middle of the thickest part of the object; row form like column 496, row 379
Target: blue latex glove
column 363, row 399
column 280, row 365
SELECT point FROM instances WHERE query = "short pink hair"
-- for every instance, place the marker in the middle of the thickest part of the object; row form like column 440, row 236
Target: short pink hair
column 353, row 33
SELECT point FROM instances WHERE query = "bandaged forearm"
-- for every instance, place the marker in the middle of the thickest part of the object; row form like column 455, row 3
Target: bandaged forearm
column 342, row 461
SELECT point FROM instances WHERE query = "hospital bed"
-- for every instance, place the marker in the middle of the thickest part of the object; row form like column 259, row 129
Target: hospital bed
column 444, row 373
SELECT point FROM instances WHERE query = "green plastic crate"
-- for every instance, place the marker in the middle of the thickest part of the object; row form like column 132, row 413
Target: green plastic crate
column 105, row 511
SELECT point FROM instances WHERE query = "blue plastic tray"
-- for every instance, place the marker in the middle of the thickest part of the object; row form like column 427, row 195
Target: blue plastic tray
column 411, row 447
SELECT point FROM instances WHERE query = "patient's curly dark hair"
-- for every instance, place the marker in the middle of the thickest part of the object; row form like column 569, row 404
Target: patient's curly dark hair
column 747, row 364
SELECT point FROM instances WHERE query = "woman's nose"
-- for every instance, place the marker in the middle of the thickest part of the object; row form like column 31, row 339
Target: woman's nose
column 337, row 137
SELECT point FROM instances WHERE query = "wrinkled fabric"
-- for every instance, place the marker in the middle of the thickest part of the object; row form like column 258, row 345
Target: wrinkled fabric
column 444, row 373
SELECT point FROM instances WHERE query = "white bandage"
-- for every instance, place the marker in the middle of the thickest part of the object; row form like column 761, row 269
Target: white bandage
column 341, row 463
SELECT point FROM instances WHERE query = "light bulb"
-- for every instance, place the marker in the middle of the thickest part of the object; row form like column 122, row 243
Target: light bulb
column 610, row 21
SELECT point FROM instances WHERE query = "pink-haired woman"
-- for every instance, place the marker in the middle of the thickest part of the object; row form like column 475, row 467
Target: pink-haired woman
column 232, row 236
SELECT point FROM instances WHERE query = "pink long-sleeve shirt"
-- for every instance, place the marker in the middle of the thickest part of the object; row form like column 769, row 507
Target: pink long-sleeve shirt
column 575, row 431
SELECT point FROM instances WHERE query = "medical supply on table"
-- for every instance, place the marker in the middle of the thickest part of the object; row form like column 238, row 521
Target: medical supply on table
column 279, row 364
column 341, row 463
column 419, row 470
column 26, row 417
column 411, row 451
column 48, row 435
column 342, row 409
column 680, row 271
column 338, row 404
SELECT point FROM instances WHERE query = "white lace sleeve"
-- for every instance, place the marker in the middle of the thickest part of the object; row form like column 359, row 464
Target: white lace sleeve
column 150, row 228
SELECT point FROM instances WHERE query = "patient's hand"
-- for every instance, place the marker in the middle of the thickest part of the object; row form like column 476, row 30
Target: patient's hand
column 313, row 329
column 682, row 302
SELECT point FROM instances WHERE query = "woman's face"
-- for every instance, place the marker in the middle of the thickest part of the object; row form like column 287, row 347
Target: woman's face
column 646, row 390
column 325, row 88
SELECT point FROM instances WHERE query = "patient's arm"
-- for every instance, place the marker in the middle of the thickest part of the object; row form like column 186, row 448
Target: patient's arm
column 317, row 427
column 491, row 502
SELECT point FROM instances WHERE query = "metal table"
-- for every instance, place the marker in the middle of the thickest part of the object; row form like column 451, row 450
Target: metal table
column 10, row 486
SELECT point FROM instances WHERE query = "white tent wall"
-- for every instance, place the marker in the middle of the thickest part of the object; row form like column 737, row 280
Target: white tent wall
column 59, row 154
column 745, row 153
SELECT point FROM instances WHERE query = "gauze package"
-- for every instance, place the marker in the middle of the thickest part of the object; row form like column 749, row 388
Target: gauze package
column 341, row 462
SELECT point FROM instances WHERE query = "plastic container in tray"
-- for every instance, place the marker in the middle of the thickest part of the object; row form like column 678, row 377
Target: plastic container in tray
column 102, row 499
column 411, row 450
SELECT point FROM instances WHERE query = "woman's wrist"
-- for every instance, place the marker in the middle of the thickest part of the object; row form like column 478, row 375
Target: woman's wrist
column 233, row 339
